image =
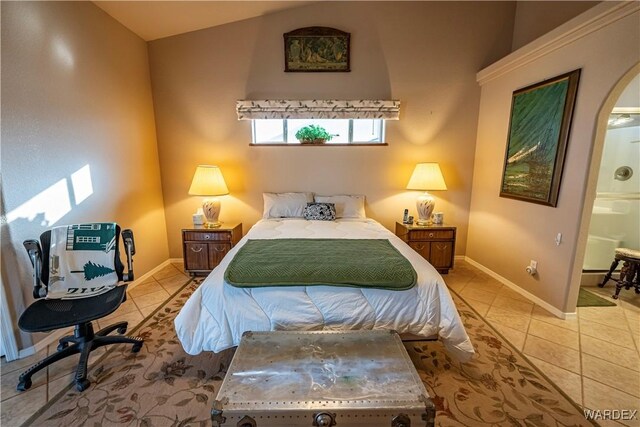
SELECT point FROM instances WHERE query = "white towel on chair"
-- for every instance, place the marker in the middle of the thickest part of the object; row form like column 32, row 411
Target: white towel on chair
column 82, row 260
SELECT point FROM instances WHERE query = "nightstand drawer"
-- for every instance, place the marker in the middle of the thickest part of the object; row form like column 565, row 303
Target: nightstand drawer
column 217, row 251
column 206, row 236
column 196, row 256
column 430, row 234
column 441, row 254
column 423, row 248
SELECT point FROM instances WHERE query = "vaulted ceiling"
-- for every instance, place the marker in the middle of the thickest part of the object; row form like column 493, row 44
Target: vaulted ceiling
column 156, row 19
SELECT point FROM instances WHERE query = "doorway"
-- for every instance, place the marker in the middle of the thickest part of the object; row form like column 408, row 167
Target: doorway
column 615, row 216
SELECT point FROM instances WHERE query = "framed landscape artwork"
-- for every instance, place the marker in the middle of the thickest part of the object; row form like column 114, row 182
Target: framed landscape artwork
column 537, row 139
column 316, row 49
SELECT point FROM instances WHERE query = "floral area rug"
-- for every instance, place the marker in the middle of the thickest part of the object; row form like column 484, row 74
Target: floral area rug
column 163, row 386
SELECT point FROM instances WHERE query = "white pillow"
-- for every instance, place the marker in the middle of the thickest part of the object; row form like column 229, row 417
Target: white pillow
column 347, row 206
column 285, row 205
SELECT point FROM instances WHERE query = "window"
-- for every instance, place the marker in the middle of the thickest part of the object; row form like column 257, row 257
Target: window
column 346, row 131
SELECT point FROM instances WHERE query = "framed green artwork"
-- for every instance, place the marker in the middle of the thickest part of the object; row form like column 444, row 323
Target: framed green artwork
column 537, row 140
column 316, row 49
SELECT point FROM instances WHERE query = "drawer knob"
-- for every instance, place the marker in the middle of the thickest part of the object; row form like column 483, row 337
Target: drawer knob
column 207, row 236
column 431, row 234
column 196, row 250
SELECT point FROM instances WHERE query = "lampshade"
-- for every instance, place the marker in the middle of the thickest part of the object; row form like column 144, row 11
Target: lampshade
column 426, row 177
column 208, row 181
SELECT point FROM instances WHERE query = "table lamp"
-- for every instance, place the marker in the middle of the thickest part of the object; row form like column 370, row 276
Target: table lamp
column 208, row 181
column 426, row 177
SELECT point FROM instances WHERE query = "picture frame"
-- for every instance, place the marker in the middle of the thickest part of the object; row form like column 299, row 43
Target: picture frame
column 539, row 127
column 317, row 49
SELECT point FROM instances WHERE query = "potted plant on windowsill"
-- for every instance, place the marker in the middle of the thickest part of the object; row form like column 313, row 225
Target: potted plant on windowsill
column 313, row 134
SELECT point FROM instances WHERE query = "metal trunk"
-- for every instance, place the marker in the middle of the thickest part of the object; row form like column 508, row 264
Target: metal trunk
column 355, row 378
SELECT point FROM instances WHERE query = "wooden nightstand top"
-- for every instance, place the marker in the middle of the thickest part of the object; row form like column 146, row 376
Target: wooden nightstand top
column 226, row 226
column 410, row 227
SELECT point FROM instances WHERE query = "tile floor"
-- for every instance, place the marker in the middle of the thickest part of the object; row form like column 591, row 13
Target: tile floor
column 593, row 357
column 142, row 300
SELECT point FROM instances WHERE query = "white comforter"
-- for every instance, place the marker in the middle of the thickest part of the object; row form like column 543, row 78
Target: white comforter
column 217, row 314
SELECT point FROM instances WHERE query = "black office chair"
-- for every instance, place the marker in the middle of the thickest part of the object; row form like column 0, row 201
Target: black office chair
column 50, row 314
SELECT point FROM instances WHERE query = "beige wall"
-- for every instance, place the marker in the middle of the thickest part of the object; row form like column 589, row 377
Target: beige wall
column 535, row 18
column 76, row 96
column 504, row 233
column 424, row 53
column 630, row 97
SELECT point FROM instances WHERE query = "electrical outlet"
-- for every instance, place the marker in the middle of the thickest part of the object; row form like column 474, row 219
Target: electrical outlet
column 533, row 264
column 558, row 239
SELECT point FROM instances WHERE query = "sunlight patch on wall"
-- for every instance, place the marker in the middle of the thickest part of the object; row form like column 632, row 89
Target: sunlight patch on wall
column 51, row 204
column 82, row 185
column 62, row 52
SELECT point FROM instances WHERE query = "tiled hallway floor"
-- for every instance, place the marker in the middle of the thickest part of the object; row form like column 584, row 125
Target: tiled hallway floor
column 593, row 357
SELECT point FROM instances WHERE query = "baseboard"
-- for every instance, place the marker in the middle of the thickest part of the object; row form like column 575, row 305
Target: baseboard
column 55, row 336
column 149, row 273
column 43, row 343
column 591, row 279
column 556, row 312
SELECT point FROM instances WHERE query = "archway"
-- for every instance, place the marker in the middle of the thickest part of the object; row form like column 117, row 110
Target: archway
column 592, row 181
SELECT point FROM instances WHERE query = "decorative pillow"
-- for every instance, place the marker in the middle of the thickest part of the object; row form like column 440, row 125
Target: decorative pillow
column 285, row 205
column 347, row 206
column 320, row 211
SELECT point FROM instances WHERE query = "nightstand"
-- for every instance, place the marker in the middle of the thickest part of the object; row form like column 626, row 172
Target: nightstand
column 436, row 243
column 204, row 248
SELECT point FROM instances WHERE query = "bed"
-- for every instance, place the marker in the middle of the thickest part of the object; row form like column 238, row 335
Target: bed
column 216, row 315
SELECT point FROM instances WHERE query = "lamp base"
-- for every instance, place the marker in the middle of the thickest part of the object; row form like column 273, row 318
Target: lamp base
column 211, row 210
column 424, row 205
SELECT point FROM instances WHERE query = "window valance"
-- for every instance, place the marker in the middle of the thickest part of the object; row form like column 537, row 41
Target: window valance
column 318, row 109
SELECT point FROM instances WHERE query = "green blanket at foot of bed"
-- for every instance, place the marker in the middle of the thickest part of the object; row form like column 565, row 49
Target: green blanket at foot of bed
column 365, row 263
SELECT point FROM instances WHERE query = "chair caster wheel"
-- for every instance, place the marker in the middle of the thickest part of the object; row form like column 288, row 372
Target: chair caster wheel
column 62, row 346
column 614, row 296
column 122, row 330
column 82, row 385
column 24, row 385
column 136, row 348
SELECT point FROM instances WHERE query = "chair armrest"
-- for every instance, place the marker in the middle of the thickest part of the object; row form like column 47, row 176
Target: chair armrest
column 35, row 255
column 130, row 250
